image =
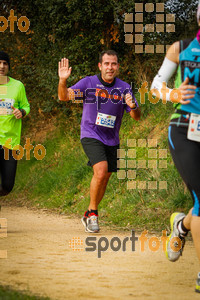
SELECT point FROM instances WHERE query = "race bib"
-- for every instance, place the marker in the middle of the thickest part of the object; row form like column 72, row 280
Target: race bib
column 5, row 106
column 105, row 120
column 194, row 128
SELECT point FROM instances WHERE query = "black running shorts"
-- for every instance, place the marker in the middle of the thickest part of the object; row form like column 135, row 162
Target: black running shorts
column 97, row 151
column 8, row 168
column 186, row 157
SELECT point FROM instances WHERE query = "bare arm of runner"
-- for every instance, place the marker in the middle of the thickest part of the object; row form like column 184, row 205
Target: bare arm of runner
column 167, row 69
column 187, row 91
column 135, row 112
column 64, row 71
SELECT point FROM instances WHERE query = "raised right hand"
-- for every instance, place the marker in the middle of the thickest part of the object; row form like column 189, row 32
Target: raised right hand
column 63, row 69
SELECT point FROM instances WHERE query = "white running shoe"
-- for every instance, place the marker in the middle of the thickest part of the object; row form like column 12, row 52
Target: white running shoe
column 91, row 223
column 175, row 241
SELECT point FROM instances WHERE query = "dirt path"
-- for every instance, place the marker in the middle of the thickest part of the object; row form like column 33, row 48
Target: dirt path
column 40, row 260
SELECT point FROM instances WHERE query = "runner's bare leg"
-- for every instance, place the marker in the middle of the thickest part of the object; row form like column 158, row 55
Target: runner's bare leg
column 98, row 184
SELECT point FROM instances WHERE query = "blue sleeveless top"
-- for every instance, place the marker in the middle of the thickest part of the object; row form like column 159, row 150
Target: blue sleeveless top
column 189, row 61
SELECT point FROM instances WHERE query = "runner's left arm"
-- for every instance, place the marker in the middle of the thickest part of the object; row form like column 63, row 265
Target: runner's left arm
column 166, row 71
column 133, row 105
column 23, row 108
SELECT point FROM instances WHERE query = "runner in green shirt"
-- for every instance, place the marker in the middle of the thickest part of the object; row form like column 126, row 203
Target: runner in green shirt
column 13, row 107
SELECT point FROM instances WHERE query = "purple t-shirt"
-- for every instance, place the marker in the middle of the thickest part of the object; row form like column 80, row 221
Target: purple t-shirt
column 103, row 108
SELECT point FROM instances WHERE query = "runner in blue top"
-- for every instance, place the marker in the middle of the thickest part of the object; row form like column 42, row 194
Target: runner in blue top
column 184, row 137
column 105, row 98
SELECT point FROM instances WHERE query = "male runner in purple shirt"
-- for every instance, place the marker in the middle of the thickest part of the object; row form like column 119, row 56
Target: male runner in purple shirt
column 105, row 97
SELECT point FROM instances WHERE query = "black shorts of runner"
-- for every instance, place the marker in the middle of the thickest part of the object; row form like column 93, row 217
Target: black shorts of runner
column 8, row 166
column 97, row 151
column 186, row 157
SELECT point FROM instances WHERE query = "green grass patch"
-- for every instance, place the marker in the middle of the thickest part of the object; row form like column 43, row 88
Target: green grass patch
column 7, row 293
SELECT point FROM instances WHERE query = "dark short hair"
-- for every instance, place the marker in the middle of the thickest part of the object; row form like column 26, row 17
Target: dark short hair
column 108, row 52
column 5, row 56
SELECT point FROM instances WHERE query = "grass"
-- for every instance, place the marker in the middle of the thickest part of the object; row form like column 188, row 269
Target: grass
column 9, row 294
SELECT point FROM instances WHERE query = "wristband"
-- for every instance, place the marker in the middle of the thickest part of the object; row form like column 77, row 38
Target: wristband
column 23, row 112
column 136, row 107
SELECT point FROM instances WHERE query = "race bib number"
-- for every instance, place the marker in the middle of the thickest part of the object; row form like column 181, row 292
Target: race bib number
column 5, row 106
column 194, row 128
column 105, row 120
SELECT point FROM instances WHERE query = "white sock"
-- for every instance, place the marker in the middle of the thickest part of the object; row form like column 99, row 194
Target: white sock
column 182, row 232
